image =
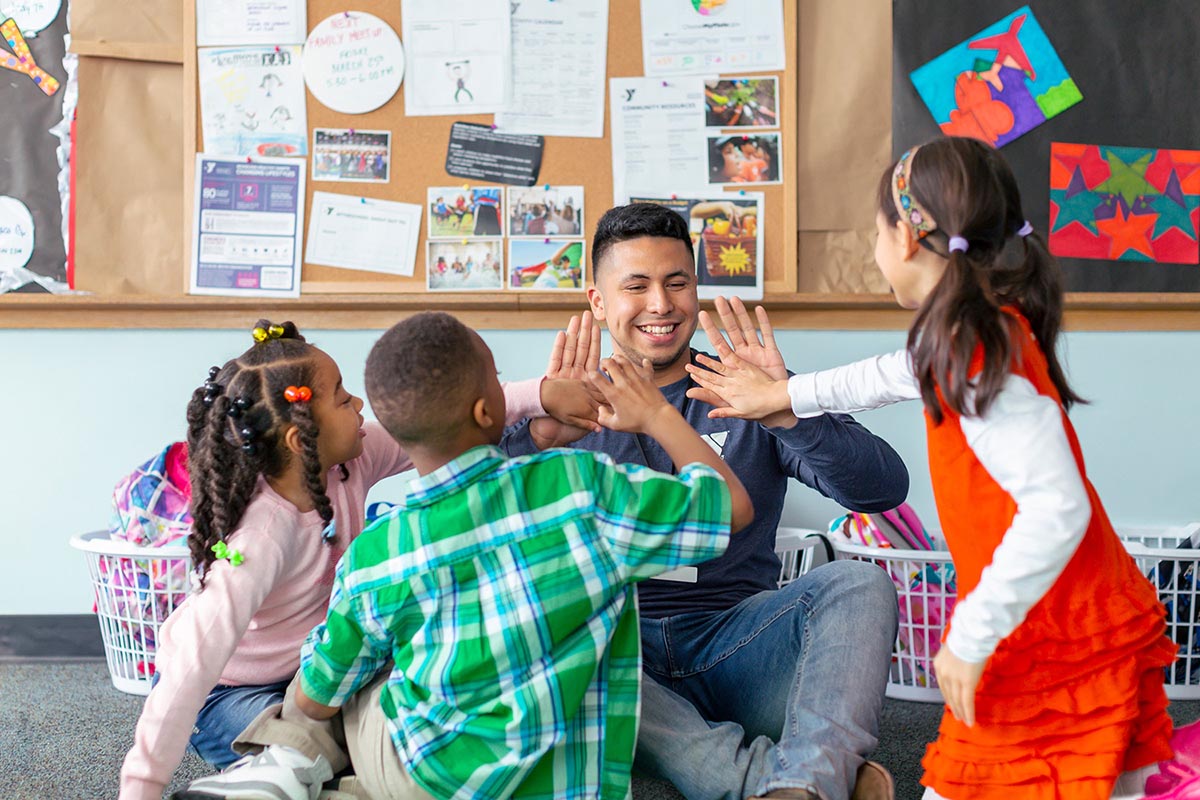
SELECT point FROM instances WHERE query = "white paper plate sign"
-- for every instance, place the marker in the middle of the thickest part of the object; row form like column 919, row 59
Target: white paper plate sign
column 353, row 62
column 31, row 15
column 16, row 234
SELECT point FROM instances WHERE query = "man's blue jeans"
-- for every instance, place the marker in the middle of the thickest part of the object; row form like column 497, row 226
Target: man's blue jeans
column 784, row 690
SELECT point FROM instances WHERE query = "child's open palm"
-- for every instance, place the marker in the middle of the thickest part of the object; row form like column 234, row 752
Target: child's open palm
column 738, row 387
column 631, row 400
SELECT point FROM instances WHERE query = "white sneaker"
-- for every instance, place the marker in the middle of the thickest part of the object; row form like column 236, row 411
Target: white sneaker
column 277, row 773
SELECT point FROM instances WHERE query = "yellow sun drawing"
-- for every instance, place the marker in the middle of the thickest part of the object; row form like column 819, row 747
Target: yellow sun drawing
column 735, row 260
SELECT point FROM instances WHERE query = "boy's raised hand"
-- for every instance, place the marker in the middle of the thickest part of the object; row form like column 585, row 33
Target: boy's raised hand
column 631, row 400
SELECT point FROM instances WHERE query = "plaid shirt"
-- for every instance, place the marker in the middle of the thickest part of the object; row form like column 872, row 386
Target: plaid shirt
column 502, row 590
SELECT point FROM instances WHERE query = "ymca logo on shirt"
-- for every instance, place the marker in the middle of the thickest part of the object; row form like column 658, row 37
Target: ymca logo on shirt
column 716, row 441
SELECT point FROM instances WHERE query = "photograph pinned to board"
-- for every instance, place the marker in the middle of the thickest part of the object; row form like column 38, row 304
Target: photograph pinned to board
column 247, row 228
column 546, row 210
column 547, row 99
column 457, row 212
column 745, row 102
column 363, row 233
column 252, row 101
column 1124, row 203
column 351, row 155
column 998, row 84
column 32, row 16
column 353, row 62
column 460, row 57
column 702, row 37
column 237, row 22
column 727, row 234
column 467, row 265
column 546, row 264
column 20, row 59
column 744, row 158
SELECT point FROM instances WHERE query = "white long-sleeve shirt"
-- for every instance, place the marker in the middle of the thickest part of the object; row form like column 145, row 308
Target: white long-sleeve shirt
column 1022, row 444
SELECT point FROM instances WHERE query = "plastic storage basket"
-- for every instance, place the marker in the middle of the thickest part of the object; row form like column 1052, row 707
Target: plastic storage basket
column 924, row 585
column 135, row 588
column 799, row 550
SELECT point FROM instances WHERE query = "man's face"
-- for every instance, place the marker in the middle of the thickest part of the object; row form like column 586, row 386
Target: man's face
column 646, row 293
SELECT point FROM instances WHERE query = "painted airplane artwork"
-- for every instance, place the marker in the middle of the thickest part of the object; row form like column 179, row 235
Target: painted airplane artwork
column 1124, row 203
column 999, row 84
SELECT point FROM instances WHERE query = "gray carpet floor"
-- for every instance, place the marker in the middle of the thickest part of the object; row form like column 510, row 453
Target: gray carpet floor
column 64, row 731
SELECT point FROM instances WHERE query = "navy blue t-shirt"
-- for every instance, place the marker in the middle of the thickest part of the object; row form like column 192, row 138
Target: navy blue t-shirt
column 831, row 453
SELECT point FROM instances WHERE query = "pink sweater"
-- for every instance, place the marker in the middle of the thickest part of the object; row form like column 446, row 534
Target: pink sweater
column 247, row 625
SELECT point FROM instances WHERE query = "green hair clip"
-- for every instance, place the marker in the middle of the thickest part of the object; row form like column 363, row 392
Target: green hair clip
column 222, row 550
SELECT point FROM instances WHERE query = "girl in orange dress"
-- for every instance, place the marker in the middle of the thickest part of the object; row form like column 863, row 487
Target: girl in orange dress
column 1052, row 666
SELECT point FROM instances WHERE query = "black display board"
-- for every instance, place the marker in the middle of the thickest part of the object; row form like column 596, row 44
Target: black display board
column 29, row 169
column 1137, row 67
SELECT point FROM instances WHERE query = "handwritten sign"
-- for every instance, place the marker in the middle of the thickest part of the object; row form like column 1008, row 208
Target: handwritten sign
column 31, row 15
column 353, row 62
column 16, row 234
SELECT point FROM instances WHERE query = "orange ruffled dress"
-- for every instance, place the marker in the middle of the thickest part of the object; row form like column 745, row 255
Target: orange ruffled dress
column 1074, row 696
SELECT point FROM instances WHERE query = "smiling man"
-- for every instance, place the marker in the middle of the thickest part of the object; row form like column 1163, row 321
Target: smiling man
column 753, row 691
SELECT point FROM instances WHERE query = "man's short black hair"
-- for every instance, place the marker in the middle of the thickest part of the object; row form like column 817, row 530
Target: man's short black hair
column 633, row 221
column 421, row 375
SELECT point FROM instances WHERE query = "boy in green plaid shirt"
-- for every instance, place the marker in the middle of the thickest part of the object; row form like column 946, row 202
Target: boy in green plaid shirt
column 482, row 641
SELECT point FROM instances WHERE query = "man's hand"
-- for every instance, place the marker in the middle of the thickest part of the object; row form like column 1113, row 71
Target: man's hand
column 631, row 400
column 745, row 344
column 958, row 681
column 569, row 399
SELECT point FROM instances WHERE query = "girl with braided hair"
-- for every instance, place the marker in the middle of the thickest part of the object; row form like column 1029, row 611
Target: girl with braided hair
column 280, row 462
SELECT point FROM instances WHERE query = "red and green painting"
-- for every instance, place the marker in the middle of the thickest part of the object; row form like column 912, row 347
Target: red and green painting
column 1124, row 203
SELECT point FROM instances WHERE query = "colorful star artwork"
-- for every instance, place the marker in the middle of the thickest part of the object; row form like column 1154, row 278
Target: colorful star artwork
column 999, row 84
column 1124, row 203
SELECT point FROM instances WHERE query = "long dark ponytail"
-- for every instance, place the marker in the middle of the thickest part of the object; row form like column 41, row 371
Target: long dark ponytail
column 970, row 192
column 236, row 422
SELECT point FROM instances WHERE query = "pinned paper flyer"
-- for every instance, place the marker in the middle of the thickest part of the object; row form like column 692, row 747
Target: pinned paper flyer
column 32, row 16
column 16, row 234
column 353, row 62
column 21, row 60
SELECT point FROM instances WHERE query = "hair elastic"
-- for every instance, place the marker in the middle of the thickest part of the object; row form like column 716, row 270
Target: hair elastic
column 270, row 332
column 958, row 244
column 1025, row 230
column 297, row 394
column 907, row 206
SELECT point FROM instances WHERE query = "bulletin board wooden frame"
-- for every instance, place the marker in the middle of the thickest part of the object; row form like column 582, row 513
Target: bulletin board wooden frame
column 419, row 153
column 836, row 129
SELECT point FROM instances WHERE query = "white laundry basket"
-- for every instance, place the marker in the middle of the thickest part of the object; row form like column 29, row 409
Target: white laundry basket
column 799, row 550
column 135, row 589
column 925, row 580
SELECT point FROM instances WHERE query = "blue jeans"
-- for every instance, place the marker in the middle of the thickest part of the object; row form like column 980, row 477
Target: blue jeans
column 784, row 690
column 226, row 712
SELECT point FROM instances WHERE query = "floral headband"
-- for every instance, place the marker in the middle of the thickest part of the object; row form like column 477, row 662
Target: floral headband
column 910, row 210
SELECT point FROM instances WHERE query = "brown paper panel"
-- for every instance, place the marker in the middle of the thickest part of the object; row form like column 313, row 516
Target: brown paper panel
column 129, row 189
column 840, row 262
column 129, row 22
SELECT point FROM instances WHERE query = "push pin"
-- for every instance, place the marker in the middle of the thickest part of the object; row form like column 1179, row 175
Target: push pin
column 546, row 187
column 742, row 192
column 493, row 126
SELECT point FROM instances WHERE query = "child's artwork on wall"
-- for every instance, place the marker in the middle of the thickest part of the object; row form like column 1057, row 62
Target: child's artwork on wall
column 727, row 234
column 252, row 101
column 1125, row 203
column 457, row 212
column 744, row 158
column 465, row 266
column 998, row 84
column 545, row 210
column 741, row 103
column 545, row 264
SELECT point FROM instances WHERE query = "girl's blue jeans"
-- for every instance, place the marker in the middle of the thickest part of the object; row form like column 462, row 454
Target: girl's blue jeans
column 784, row 690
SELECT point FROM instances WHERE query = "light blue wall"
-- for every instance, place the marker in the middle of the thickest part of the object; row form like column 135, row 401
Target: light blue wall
column 80, row 408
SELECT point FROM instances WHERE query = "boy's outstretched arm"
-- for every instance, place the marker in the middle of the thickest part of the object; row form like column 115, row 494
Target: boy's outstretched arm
column 635, row 405
column 311, row 708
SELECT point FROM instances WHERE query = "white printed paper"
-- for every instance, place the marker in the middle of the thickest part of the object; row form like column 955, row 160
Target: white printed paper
column 353, row 62
column 240, row 22
column 247, row 226
column 16, row 234
column 252, row 101
column 459, row 56
column 363, row 233
column 698, row 37
column 658, row 143
column 559, row 53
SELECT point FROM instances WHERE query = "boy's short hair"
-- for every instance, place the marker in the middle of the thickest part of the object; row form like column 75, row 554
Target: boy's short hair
column 421, row 374
column 634, row 221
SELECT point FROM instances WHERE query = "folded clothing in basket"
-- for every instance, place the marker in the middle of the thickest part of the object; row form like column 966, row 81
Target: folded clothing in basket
column 1177, row 590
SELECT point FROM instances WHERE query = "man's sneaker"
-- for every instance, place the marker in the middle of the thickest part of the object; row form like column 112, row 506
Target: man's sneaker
column 277, row 773
column 873, row 783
